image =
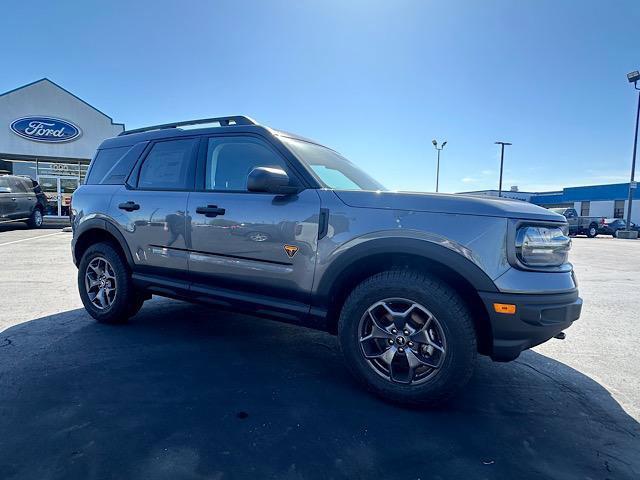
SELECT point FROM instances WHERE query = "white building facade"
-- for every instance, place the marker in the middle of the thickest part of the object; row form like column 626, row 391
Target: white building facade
column 50, row 135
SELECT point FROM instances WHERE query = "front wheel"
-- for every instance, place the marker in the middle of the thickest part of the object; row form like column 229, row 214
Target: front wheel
column 408, row 337
column 105, row 285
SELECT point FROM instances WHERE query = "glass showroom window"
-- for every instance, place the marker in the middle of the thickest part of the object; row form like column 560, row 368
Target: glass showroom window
column 18, row 167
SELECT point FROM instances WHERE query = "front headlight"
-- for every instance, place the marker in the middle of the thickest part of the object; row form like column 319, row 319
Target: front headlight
column 542, row 246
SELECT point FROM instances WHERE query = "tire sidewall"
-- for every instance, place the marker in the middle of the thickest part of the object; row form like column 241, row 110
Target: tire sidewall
column 461, row 343
column 118, row 311
column 36, row 214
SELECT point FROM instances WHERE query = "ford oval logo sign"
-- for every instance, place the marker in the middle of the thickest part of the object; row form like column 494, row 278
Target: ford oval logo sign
column 45, row 129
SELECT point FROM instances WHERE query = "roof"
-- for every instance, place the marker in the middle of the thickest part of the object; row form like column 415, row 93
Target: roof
column 171, row 130
column 45, row 79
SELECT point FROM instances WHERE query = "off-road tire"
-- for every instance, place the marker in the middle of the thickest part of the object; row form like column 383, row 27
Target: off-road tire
column 451, row 312
column 127, row 301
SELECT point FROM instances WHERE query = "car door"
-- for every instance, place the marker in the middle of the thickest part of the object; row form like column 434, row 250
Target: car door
column 7, row 204
column 572, row 219
column 29, row 199
column 150, row 209
column 260, row 244
column 20, row 198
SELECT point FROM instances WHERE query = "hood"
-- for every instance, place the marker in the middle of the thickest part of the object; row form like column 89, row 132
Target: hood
column 448, row 203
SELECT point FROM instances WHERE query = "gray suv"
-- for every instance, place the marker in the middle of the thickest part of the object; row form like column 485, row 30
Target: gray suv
column 237, row 215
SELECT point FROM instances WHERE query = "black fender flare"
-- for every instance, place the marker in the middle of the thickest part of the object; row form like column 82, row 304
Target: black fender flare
column 428, row 250
column 105, row 225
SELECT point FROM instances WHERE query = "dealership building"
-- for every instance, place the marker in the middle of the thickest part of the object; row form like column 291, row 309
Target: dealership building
column 608, row 201
column 50, row 135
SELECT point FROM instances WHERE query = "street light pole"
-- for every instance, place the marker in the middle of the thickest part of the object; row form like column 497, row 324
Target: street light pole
column 435, row 144
column 502, row 144
column 633, row 77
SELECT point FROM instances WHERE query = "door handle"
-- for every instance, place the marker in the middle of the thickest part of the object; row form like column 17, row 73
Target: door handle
column 211, row 211
column 129, row 206
column 13, row 199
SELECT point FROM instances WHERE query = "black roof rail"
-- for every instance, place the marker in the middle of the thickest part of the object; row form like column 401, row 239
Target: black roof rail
column 223, row 121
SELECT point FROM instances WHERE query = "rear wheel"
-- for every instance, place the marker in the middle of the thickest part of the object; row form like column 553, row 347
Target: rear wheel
column 592, row 231
column 105, row 285
column 36, row 219
column 408, row 337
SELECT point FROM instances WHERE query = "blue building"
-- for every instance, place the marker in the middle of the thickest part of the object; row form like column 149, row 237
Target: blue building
column 608, row 201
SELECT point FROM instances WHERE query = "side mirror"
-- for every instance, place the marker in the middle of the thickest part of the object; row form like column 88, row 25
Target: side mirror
column 270, row 180
column 5, row 190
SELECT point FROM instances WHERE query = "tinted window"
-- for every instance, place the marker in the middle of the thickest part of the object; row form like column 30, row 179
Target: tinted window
column 229, row 161
column 618, row 209
column 28, row 185
column 16, row 185
column 584, row 209
column 169, row 166
column 104, row 162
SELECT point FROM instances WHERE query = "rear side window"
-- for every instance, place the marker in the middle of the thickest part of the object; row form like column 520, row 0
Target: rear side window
column 169, row 166
column 16, row 185
column 28, row 185
column 110, row 166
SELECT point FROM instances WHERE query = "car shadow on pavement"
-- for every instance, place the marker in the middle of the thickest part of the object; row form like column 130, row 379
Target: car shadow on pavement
column 12, row 226
column 186, row 392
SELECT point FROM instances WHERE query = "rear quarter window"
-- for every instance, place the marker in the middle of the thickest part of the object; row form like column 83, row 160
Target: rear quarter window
column 111, row 166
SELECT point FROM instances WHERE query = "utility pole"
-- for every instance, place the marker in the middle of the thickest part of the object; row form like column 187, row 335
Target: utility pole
column 633, row 77
column 502, row 144
column 435, row 144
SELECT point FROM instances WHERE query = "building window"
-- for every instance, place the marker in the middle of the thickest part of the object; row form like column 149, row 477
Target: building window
column 584, row 209
column 618, row 209
column 18, row 167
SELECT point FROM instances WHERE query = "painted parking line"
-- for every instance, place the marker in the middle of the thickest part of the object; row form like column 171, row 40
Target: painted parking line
column 30, row 238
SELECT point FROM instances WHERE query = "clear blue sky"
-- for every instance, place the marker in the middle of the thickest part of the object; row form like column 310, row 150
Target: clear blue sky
column 375, row 80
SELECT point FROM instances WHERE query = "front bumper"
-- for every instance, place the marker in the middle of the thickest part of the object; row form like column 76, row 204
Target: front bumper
column 538, row 318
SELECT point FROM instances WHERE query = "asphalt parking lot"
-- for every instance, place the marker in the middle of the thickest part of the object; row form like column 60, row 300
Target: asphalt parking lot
column 188, row 392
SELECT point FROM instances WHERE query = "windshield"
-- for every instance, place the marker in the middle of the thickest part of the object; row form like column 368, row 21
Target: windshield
column 331, row 169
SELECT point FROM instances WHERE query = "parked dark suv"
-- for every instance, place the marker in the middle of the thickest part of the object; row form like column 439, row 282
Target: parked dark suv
column 242, row 216
column 21, row 199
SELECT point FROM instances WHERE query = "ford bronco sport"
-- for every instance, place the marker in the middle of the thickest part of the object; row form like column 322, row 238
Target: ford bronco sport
column 238, row 215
